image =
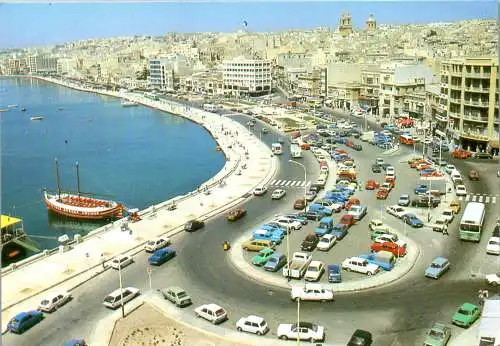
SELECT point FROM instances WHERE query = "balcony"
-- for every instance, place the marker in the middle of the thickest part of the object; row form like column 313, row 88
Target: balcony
column 478, row 75
column 455, row 100
column 476, row 135
column 475, row 118
column 477, row 89
column 476, row 103
column 454, row 115
column 455, row 86
column 456, row 73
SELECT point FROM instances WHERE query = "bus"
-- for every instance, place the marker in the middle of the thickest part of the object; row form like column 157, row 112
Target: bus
column 295, row 150
column 277, row 148
column 471, row 224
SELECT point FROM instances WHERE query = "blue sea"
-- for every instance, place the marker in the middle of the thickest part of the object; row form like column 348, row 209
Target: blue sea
column 135, row 155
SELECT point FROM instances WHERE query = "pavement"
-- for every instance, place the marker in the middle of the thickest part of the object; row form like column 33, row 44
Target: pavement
column 24, row 284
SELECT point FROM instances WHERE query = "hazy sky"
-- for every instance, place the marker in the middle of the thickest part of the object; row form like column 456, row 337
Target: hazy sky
column 24, row 25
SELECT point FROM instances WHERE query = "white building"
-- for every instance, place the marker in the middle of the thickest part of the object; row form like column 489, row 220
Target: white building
column 247, row 76
column 161, row 74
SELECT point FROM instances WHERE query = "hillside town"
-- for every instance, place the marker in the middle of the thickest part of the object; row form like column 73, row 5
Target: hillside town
column 444, row 73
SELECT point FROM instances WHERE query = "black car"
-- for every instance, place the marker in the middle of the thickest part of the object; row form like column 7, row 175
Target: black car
column 310, row 242
column 483, row 155
column 360, row 338
column 310, row 215
column 423, row 201
column 357, row 147
column 376, row 169
column 496, row 231
column 193, row 225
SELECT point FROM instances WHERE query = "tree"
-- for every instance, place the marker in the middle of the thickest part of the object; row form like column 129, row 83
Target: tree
column 142, row 75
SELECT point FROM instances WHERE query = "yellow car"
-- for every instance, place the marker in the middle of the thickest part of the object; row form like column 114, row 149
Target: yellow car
column 257, row 245
column 455, row 206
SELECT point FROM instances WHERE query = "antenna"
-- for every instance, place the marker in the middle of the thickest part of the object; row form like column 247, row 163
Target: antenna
column 57, row 179
column 77, row 179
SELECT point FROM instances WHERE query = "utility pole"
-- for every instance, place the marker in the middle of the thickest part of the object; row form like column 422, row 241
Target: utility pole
column 121, row 289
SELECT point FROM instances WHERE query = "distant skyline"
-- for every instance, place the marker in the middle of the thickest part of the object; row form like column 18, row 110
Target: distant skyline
column 29, row 25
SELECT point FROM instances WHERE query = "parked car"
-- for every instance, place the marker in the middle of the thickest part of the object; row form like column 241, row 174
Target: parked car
column 259, row 191
column 257, row 245
column 412, row 220
column 311, row 195
column 157, row 243
column 360, row 265
column 384, row 259
column 252, row 324
column 54, row 301
column 304, row 330
column 326, row 242
column 310, row 291
column 437, row 268
column 161, row 256
column 295, row 216
column 314, row 271
column 460, row 190
column 278, row 194
column 358, row 211
column 493, row 247
column 288, row 224
column 236, row 214
column 121, row 261
column 310, row 242
column 311, row 215
column 376, row 224
column 24, row 321
column 275, row 262
column 339, row 230
column 360, row 338
column 177, row 296
column 299, row 204
column 262, row 257
column 466, row 315
column 438, row 335
column 193, row 225
column 334, row 273
column 396, row 210
column 347, row 220
column 404, row 200
column 212, row 313
column 114, row 299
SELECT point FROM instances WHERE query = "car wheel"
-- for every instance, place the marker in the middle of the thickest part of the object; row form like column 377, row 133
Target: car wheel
column 369, row 273
column 348, row 269
column 283, row 337
column 239, row 329
column 259, row 332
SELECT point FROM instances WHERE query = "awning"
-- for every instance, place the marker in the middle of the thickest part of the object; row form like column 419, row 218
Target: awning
column 7, row 221
column 495, row 144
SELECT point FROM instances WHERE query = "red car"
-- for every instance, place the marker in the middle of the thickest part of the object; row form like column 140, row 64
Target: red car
column 371, row 185
column 393, row 248
column 347, row 220
column 382, row 193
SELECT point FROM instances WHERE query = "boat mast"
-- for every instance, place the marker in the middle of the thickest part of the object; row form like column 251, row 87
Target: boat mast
column 77, row 179
column 57, row 179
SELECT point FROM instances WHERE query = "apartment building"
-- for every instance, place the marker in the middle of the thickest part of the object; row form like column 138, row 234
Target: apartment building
column 471, row 85
column 435, row 107
column 41, row 64
column 247, row 76
column 370, row 88
column 161, row 74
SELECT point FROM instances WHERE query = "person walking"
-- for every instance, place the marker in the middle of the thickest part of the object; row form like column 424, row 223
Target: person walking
column 445, row 231
column 480, row 296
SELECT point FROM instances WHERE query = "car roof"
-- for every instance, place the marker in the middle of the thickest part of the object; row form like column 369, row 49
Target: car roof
column 175, row 289
column 468, row 306
column 254, row 318
column 55, row 294
column 211, row 306
column 440, row 260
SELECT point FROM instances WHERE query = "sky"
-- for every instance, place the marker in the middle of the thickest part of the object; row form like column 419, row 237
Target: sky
column 37, row 24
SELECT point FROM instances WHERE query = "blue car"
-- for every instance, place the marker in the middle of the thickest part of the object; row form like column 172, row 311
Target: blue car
column 382, row 261
column 437, row 268
column 24, row 321
column 421, row 188
column 339, row 230
column 280, row 232
column 413, row 220
column 275, row 262
column 264, row 234
column 161, row 256
column 318, row 208
column 334, row 273
column 75, row 342
column 325, row 226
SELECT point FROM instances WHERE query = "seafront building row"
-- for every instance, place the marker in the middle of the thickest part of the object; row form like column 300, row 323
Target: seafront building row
column 442, row 72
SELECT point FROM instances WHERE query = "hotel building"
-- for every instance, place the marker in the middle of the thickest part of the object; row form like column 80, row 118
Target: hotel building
column 247, row 76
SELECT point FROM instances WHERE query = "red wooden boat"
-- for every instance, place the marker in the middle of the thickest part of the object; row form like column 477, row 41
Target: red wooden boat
column 80, row 205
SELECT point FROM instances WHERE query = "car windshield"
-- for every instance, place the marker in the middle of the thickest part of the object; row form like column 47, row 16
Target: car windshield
column 436, row 334
column 463, row 312
column 109, row 299
column 494, row 242
column 313, row 269
column 219, row 312
column 181, row 294
column 45, row 302
column 435, row 265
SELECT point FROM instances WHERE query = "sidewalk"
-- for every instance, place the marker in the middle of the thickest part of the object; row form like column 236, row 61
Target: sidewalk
column 22, row 287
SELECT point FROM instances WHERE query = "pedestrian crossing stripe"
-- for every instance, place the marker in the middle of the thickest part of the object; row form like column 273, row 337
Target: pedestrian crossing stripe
column 479, row 198
column 493, row 199
column 487, row 199
column 290, row 183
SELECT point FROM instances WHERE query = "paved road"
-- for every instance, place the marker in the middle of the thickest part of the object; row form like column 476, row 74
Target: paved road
column 397, row 314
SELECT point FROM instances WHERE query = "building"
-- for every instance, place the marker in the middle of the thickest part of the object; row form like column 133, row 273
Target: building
column 471, row 85
column 41, row 64
column 370, row 88
column 313, row 84
column 345, row 27
column 371, row 23
column 161, row 74
column 247, row 76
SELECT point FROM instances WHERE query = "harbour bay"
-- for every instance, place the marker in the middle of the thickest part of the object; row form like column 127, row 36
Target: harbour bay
column 135, row 155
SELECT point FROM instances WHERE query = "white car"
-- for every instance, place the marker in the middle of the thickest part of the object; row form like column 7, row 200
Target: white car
column 360, row 265
column 448, row 215
column 391, row 238
column 314, row 271
column 252, row 324
column 278, row 194
column 450, row 168
column 114, row 299
column 326, row 242
column 396, row 210
column 259, row 191
column 493, row 279
column 121, row 261
column 157, row 243
column 54, row 301
column 493, row 247
column 316, row 292
column 211, row 312
column 288, row 223
column 428, row 140
column 389, row 170
column 460, row 190
column 305, row 331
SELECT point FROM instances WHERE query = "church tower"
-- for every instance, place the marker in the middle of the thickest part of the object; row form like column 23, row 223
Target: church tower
column 371, row 23
column 345, row 27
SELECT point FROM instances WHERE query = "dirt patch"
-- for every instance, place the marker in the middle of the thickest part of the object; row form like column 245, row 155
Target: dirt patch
column 147, row 326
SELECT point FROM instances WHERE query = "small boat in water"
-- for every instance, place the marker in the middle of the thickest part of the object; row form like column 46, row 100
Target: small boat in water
column 80, row 205
column 127, row 103
column 60, row 108
column 15, row 242
column 38, row 117
column 12, row 106
column 23, row 109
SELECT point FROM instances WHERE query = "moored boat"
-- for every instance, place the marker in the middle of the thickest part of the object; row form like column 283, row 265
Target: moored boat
column 14, row 241
column 128, row 103
column 80, row 205
column 37, row 117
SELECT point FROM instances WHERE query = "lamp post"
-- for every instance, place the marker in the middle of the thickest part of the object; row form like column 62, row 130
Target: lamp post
column 305, row 180
column 298, row 321
column 121, row 289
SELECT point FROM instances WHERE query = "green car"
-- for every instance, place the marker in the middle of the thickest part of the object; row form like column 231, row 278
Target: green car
column 438, row 335
column 466, row 315
column 377, row 232
column 262, row 257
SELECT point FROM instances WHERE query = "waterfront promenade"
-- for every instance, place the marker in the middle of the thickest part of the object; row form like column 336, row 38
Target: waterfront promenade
column 25, row 284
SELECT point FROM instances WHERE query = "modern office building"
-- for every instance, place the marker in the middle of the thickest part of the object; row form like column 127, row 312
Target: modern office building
column 247, row 76
column 161, row 75
column 471, row 85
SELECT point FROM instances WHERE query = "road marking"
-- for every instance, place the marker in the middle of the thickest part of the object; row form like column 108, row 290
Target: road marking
column 480, row 199
column 303, row 183
column 493, row 200
column 308, row 183
column 283, row 183
column 487, row 199
column 274, row 182
column 460, row 198
column 294, row 183
column 467, row 198
column 474, row 198
column 288, row 182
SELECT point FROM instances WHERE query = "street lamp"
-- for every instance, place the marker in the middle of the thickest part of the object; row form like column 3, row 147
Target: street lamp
column 298, row 320
column 121, row 289
column 305, row 180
